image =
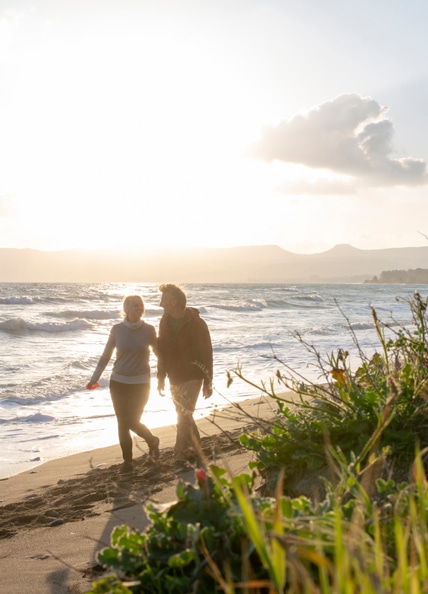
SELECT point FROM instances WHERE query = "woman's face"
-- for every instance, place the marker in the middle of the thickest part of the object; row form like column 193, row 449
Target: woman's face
column 134, row 310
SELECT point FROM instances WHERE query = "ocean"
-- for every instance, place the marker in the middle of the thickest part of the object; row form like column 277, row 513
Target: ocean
column 51, row 336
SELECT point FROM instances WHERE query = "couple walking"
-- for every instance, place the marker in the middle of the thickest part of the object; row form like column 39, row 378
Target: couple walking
column 184, row 352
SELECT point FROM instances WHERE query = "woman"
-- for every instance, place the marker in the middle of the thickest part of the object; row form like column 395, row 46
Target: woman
column 130, row 378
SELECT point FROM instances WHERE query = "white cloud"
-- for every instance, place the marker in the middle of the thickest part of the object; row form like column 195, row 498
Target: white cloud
column 322, row 187
column 349, row 135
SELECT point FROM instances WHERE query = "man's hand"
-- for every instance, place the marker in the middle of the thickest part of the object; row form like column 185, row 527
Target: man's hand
column 161, row 387
column 207, row 390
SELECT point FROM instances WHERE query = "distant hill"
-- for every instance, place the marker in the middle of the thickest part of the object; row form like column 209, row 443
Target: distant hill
column 244, row 264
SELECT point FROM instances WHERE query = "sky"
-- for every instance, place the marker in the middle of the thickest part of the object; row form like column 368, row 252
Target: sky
column 128, row 124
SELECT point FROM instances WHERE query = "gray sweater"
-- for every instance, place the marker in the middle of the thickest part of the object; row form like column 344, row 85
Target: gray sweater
column 132, row 342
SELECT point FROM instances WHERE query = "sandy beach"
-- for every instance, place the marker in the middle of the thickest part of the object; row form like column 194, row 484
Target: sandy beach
column 55, row 518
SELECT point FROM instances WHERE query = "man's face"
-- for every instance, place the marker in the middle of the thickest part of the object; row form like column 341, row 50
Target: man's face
column 167, row 302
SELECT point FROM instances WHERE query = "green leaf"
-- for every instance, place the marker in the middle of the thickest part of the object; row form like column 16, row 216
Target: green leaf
column 182, row 559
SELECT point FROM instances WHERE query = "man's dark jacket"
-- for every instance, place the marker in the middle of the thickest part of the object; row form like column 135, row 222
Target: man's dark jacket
column 187, row 353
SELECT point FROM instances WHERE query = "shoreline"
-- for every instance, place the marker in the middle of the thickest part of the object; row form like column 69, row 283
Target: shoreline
column 150, row 418
column 75, row 464
column 55, row 518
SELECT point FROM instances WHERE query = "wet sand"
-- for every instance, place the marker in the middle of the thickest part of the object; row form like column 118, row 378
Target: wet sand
column 55, row 518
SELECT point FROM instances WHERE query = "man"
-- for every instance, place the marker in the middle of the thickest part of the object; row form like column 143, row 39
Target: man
column 184, row 355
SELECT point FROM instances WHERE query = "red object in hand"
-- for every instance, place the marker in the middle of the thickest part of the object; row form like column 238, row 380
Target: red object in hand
column 97, row 385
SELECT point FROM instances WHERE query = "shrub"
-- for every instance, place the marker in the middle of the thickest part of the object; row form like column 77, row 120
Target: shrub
column 171, row 556
column 278, row 545
column 382, row 406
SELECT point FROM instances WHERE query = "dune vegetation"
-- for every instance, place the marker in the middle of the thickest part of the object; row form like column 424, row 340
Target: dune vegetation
column 334, row 501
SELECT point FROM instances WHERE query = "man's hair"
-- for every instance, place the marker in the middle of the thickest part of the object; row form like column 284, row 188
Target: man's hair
column 176, row 292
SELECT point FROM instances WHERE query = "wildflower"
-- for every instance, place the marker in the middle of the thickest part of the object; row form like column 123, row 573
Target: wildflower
column 201, row 476
column 339, row 375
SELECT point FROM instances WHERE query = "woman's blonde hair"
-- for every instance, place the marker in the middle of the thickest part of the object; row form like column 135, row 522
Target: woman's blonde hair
column 127, row 302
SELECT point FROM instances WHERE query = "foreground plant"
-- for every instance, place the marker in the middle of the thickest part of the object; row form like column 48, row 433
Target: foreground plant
column 382, row 405
column 220, row 537
column 171, row 556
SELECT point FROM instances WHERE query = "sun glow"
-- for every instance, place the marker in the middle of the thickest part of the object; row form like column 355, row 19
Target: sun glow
column 125, row 149
column 130, row 124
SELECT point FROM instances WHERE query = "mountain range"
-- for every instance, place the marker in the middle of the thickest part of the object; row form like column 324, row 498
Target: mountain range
column 246, row 264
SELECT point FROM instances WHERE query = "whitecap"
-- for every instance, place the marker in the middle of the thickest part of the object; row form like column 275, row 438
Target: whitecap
column 246, row 306
column 362, row 326
column 98, row 314
column 19, row 300
column 309, row 297
column 19, row 326
column 34, row 418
